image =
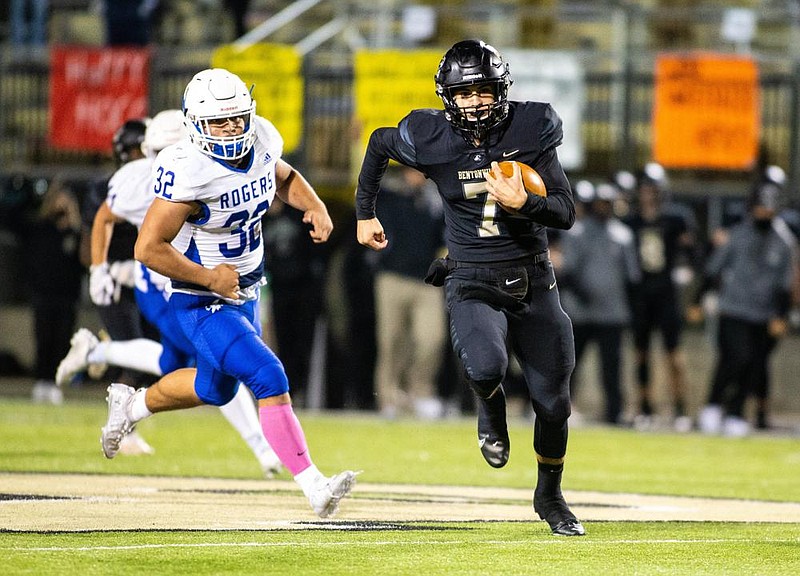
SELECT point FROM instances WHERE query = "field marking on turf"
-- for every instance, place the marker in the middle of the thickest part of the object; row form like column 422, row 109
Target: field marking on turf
column 39, row 502
column 556, row 541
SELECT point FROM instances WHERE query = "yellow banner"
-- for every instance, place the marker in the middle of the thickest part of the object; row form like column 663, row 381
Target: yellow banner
column 706, row 112
column 276, row 71
column 391, row 83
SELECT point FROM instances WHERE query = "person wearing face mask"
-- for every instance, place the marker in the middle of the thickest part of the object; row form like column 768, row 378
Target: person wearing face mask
column 754, row 268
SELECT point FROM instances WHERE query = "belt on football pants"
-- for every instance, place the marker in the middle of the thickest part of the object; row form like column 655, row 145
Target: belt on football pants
column 525, row 260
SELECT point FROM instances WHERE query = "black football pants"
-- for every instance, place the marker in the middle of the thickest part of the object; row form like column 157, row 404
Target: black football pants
column 484, row 317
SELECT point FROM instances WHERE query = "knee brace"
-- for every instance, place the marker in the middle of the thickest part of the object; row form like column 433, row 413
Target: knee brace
column 268, row 379
column 217, row 390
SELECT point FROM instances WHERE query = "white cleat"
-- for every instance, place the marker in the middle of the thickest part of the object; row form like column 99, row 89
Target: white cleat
column 118, row 424
column 735, row 427
column 683, row 424
column 325, row 496
column 709, row 421
column 77, row 359
column 45, row 392
column 133, row 444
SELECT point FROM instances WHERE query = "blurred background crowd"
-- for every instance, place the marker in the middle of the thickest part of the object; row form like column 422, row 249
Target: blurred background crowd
column 680, row 277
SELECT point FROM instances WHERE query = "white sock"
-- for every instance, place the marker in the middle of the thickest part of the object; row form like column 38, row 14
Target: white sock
column 98, row 354
column 137, row 409
column 242, row 413
column 308, row 478
column 140, row 354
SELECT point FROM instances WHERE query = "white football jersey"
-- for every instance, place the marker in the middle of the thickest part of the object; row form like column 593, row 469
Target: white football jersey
column 233, row 200
column 130, row 191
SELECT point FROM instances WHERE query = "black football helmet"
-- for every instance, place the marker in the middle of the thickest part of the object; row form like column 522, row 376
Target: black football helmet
column 128, row 137
column 473, row 62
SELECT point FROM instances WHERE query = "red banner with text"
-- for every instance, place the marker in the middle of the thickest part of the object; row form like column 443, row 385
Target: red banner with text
column 93, row 91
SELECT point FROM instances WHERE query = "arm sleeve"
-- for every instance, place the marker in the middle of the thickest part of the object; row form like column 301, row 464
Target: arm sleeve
column 384, row 144
column 557, row 210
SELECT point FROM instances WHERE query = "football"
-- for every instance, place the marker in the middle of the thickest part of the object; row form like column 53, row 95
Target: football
column 530, row 177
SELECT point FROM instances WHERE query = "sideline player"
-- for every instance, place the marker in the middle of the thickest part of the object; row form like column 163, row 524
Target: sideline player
column 203, row 231
column 130, row 195
column 665, row 240
column 498, row 278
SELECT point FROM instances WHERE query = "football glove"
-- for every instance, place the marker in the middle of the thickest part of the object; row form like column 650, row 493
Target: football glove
column 123, row 272
column 101, row 285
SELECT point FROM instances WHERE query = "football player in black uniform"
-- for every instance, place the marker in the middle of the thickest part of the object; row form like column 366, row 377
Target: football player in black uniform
column 498, row 278
column 666, row 239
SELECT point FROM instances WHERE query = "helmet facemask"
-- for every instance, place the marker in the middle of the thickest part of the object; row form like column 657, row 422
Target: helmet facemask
column 215, row 95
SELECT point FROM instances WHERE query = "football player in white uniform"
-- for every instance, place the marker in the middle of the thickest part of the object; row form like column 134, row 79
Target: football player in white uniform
column 130, row 195
column 203, row 231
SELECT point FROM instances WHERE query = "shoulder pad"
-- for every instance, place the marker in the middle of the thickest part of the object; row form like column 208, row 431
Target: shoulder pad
column 190, row 167
column 269, row 137
column 426, row 131
column 549, row 127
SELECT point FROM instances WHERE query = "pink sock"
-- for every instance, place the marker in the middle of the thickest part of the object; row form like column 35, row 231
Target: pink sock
column 283, row 432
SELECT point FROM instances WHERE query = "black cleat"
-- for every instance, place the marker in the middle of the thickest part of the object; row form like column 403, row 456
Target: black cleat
column 493, row 430
column 549, row 504
column 554, row 511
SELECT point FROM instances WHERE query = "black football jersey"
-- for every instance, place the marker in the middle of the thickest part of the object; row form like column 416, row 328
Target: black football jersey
column 477, row 229
column 659, row 245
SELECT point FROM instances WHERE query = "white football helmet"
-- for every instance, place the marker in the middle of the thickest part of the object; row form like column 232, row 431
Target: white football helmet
column 166, row 127
column 214, row 94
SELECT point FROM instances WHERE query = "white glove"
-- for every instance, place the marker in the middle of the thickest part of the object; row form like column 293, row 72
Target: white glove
column 101, row 285
column 123, row 272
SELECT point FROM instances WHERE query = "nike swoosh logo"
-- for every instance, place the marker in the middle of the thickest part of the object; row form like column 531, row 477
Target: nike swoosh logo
column 510, row 282
column 553, row 285
column 509, row 154
column 301, row 453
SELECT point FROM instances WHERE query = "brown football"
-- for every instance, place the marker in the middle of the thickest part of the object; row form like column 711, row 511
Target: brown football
column 530, row 177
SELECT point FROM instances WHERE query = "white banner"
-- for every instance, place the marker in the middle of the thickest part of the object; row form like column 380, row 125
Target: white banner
column 557, row 78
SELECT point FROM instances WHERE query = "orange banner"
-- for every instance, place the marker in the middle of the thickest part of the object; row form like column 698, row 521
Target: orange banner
column 92, row 92
column 706, row 112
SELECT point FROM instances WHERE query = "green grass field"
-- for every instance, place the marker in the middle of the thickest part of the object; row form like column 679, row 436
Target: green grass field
column 199, row 443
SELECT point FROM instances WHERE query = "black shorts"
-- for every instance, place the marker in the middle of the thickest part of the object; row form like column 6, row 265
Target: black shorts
column 657, row 310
